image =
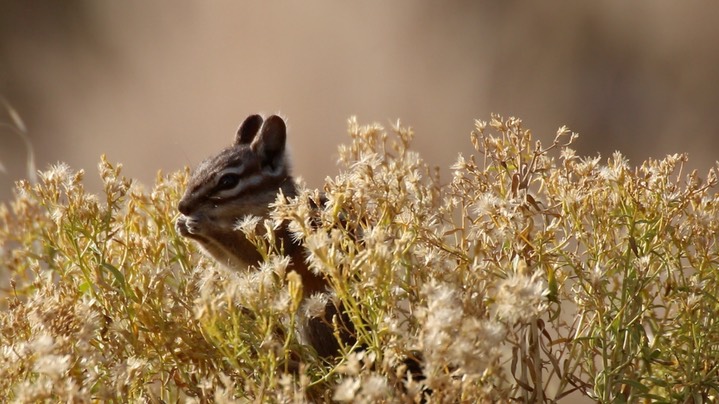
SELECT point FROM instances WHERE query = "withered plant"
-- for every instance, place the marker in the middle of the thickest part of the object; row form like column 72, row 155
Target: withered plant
column 531, row 275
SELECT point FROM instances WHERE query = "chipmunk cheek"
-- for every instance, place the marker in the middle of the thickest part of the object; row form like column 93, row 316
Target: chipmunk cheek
column 181, row 226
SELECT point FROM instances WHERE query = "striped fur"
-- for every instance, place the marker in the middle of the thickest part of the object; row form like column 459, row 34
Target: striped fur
column 240, row 180
column 244, row 179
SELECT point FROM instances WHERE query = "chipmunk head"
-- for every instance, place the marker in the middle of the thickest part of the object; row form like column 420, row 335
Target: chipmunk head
column 240, row 180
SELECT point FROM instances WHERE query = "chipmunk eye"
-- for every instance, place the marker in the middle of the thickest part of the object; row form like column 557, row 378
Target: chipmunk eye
column 227, row 181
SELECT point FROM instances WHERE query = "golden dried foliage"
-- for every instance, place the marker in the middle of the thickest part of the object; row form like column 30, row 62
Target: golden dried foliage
column 533, row 274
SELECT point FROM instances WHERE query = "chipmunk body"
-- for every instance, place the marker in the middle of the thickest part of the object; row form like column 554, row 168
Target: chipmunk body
column 244, row 179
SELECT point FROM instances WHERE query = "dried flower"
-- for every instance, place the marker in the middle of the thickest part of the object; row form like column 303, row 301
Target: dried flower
column 521, row 298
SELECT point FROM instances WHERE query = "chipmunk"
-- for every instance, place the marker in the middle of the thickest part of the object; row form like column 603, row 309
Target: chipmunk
column 244, row 179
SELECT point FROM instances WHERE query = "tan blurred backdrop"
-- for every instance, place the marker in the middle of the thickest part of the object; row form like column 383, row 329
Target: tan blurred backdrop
column 162, row 84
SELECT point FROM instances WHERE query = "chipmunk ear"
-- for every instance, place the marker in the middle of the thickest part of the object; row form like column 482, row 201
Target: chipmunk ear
column 248, row 129
column 270, row 143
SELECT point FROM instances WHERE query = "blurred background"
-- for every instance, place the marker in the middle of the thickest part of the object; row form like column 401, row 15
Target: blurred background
column 163, row 84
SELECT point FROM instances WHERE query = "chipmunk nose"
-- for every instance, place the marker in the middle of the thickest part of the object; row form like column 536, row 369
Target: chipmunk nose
column 184, row 206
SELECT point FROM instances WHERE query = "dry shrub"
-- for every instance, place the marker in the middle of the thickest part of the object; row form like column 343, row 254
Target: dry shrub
column 531, row 275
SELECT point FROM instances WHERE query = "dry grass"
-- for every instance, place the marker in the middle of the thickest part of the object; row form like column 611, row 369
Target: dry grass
column 532, row 274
